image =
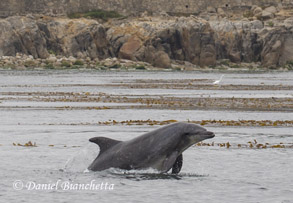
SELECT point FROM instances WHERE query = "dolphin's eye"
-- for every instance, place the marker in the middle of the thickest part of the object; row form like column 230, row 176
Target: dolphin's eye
column 189, row 134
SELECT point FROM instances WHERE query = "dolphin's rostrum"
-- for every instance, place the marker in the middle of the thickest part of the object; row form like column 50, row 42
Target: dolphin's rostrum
column 160, row 149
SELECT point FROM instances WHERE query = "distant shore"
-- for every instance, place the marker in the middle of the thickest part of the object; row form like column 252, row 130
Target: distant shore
column 260, row 39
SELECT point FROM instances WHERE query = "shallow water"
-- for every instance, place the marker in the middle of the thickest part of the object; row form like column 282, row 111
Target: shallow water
column 209, row 174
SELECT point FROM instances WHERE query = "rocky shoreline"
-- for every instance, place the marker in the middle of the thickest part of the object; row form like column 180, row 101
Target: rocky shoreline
column 261, row 39
column 28, row 62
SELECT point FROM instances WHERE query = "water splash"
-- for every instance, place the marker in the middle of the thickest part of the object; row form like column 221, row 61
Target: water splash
column 144, row 174
column 82, row 159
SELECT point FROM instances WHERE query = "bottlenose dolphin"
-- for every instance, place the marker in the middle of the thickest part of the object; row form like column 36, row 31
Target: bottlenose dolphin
column 160, row 149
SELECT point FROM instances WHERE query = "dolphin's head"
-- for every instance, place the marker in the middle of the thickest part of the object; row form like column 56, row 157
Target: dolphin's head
column 195, row 133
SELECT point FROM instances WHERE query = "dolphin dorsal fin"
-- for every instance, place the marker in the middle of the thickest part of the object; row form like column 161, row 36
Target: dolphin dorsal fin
column 104, row 143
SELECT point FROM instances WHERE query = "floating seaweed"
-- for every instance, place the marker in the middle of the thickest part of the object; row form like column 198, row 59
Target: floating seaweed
column 155, row 101
column 251, row 145
column 28, row 144
column 243, row 123
column 261, row 123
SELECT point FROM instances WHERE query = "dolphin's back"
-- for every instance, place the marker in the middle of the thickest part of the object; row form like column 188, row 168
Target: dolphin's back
column 160, row 149
column 140, row 152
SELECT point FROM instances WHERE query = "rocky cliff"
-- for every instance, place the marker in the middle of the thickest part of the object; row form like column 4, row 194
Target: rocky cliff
column 156, row 40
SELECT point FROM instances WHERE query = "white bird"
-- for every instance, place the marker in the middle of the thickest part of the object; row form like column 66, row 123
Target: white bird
column 218, row 81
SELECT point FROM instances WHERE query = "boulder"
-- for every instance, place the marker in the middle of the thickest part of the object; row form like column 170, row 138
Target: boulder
column 128, row 49
column 288, row 22
column 162, row 60
column 221, row 12
column 257, row 11
column 271, row 9
column 287, row 50
column 272, row 47
column 265, row 15
column 21, row 35
column 211, row 9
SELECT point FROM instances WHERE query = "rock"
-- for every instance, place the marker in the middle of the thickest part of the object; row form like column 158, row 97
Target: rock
column 162, row 60
column 256, row 24
column 52, row 59
column 30, row 16
column 265, row 15
column 287, row 50
column 144, row 14
column 200, row 42
column 211, row 9
column 253, row 7
column 21, row 35
column 235, row 56
column 271, row 9
column 272, row 48
column 71, row 59
column 80, row 55
column 257, row 11
column 163, row 14
column 155, row 40
column 37, row 37
column 129, row 48
column 221, row 12
column 288, row 22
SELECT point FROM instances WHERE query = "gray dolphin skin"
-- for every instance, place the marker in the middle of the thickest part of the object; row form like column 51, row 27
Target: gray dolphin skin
column 160, row 149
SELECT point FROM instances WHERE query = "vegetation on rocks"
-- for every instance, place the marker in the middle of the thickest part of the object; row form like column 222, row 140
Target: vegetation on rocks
column 78, row 63
column 96, row 14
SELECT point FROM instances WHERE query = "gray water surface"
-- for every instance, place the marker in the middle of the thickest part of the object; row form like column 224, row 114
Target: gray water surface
column 63, row 153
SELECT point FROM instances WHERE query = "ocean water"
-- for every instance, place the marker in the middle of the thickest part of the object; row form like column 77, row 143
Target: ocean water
column 56, row 169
